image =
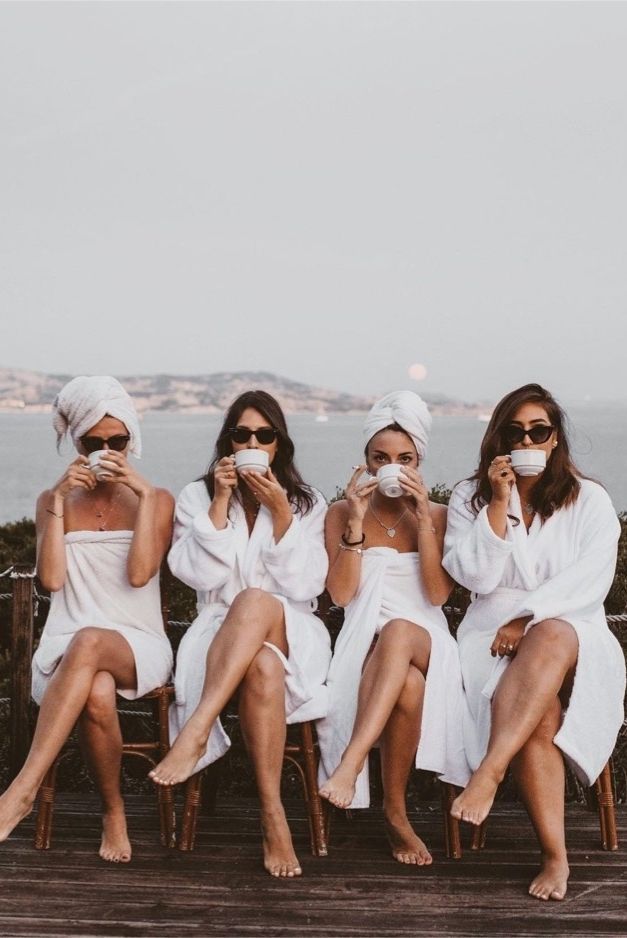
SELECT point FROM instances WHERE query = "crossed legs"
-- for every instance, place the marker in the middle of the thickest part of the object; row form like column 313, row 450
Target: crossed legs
column 526, row 714
column 389, row 709
column 238, row 658
column 92, row 650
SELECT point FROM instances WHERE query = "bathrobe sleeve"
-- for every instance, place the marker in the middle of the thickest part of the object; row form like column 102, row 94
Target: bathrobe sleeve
column 299, row 562
column 580, row 588
column 201, row 555
column 473, row 554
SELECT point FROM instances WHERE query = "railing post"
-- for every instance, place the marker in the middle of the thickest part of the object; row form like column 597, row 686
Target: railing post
column 23, row 576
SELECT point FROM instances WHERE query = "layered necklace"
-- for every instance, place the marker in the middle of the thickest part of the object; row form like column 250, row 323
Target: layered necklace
column 390, row 530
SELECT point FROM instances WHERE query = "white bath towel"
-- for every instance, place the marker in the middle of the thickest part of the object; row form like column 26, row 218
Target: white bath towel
column 219, row 564
column 97, row 593
column 405, row 408
column 84, row 401
column 561, row 569
column 390, row 588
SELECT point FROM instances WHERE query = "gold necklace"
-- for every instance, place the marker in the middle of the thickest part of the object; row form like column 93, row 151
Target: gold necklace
column 391, row 529
column 103, row 516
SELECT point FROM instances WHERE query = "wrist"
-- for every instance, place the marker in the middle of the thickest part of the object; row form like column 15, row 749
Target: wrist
column 354, row 529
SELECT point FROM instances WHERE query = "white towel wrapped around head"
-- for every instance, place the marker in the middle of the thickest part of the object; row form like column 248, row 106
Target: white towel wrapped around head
column 408, row 410
column 84, row 401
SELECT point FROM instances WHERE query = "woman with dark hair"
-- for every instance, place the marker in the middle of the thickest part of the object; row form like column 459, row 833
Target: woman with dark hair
column 252, row 545
column 535, row 542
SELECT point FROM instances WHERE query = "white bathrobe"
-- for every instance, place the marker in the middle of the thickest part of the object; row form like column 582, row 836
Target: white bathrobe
column 560, row 569
column 219, row 564
column 97, row 593
column 390, row 588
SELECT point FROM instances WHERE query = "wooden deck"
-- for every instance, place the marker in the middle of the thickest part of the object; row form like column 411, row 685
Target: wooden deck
column 358, row 890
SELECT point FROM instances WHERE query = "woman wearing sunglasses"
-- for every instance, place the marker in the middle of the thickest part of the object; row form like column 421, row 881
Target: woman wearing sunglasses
column 99, row 549
column 252, row 545
column 535, row 542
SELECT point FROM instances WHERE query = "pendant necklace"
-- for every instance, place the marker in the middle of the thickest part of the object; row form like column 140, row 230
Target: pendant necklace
column 102, row 515
column 391, row 530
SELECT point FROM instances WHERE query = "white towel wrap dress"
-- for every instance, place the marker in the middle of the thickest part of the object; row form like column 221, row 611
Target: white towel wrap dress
column 219, row 564
column 561, row 569
column 390, row 588
column 97, row 593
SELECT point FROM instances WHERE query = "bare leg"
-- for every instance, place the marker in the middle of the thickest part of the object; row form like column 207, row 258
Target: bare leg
column 398, row 743
column 262, row 715
column 530, row 685
column 91, row 650
column 539, row 772
column 101, row 742
column 254, row 618
column 400, row 645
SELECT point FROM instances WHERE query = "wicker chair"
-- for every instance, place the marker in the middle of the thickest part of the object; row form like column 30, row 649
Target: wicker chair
column 303, row 756
column 604, row 792
column 152, row 751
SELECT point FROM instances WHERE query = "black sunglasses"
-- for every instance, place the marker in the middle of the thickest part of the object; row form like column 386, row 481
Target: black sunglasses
column 263, row 435
column 538, row 434
column 94, row 443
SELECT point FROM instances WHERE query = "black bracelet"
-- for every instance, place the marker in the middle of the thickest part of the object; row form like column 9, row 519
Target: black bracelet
column 353, row 543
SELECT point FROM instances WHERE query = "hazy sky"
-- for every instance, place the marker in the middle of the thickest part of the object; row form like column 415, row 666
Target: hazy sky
column 331, row 191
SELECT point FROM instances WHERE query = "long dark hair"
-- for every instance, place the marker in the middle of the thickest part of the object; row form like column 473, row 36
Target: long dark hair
column 299, row 494
column 559, row 484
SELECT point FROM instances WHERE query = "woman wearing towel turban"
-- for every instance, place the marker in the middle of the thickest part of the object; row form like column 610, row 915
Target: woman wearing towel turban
column 543, row 675
column 99, row 550
column 253, row 547
column 395, row 674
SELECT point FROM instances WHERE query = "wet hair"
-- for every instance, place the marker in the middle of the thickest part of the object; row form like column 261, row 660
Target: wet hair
column 559, row 484
column 299, row 494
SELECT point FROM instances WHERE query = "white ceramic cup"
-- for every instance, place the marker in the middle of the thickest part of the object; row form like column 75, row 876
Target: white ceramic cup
column 387, row 478
column 528, row 462
column 94, row 464
column 253, row 460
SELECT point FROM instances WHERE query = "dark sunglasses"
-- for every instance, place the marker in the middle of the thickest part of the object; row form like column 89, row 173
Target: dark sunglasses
column 263, row 435
column 93, row 443
column 538, row 434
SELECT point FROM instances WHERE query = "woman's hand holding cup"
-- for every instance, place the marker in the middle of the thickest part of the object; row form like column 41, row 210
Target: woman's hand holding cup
column 77, row 475
column 115, row 467
column 501, row 476
column 357, row 494
column 225, row 479
column 413, row 487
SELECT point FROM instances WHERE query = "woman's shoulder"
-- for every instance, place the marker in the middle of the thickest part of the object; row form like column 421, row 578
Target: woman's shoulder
column 194, row 493
column 592, row 495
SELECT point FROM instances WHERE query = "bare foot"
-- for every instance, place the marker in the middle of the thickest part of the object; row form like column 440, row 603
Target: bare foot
column 406, row 846
column 115, row 845
column 15, row 805
column 278, row 852
column 552, row 880
column 340, row 788
column 181, row 760
column 474, row 803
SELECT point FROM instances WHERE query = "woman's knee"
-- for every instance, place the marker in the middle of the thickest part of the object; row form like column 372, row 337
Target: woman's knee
column 85, row 644
column 100, row 704
column 256, row 600
column 556, row 638
column 265, row 676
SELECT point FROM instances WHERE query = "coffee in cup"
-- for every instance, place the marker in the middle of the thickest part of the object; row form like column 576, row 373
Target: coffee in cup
column 102, row 474
column 253, row 460
column 388, row 481
column 528, row 462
